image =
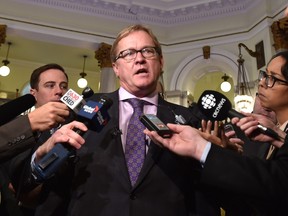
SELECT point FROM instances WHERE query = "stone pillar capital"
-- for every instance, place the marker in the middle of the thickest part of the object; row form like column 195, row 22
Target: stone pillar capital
column 279, row 30
column 102, row 54
column 2, row 34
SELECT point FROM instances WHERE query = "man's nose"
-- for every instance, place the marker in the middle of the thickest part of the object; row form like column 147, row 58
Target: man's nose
column 59, row 90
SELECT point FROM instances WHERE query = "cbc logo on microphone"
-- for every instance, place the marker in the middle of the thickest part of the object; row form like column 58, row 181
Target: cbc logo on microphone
column 208, row 101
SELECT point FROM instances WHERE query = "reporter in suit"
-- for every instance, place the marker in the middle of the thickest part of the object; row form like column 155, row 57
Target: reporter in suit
column 48, row 83
column 20, row 134
column 99, row 183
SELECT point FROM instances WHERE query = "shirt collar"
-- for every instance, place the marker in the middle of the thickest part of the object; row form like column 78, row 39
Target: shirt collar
column 124, row 95
column 284, row 126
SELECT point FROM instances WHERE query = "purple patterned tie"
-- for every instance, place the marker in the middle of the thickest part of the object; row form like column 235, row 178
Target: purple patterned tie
column 135, row 141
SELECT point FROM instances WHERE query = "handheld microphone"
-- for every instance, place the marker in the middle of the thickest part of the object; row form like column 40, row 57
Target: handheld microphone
column 12, row 109
column 93, row 114
column 87, row 92
column 217, row 106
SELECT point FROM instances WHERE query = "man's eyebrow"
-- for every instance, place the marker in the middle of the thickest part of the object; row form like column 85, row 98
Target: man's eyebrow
column 53, row 82
column 48, row 82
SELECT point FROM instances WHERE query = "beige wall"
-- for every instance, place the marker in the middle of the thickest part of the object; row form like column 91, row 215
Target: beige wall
column 20, row 75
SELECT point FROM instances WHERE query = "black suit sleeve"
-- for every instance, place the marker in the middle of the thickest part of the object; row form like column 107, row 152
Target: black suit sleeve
column 247, row 176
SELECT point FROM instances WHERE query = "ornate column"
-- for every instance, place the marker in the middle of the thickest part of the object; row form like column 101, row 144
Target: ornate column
column 279, row 30
column 2, row 34
column 108, row 78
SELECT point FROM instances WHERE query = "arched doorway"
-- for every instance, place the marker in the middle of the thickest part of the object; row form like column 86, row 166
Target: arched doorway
column 196, row 74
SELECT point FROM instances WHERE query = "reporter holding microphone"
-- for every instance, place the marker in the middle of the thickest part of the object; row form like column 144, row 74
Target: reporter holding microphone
column 258, row 181
column 19, row 134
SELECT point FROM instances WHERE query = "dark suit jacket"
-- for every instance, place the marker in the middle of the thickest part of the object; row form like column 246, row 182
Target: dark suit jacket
column 19, row 167
column 99, row 182
column 15, row 137
column 261, row 183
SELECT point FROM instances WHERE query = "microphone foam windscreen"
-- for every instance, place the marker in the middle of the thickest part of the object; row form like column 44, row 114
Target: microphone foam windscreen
column 214, row 105
column 12, row 109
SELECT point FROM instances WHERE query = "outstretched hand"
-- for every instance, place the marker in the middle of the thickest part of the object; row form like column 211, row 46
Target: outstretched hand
column 219, row 137
column 185, row 140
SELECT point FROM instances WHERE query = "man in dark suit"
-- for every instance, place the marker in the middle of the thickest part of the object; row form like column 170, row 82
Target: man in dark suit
column 18, row 137
column 99, row 182
column 48, row 84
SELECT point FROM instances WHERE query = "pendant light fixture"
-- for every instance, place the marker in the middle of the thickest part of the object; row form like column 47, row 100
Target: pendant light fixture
column 243, row 99
column 225, row 85
column 5, row 70
column 82, row 82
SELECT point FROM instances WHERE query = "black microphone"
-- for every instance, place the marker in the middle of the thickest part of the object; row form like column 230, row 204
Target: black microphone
column 93, row 114
column 12, row 109
column 87, row 92
column 217, row 106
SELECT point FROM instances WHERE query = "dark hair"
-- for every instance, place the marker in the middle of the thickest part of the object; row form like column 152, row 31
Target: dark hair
column 284, row 68
column 34, row 79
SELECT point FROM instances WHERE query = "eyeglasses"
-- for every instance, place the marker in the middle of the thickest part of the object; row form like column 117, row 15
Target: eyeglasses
column 270, row 79
column 130, row 54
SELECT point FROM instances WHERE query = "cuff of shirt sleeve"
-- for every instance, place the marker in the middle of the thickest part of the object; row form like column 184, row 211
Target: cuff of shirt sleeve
column 33, row 165
column 205, row 153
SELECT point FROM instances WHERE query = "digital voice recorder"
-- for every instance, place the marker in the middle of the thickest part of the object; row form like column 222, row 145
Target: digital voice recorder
column 152, row 122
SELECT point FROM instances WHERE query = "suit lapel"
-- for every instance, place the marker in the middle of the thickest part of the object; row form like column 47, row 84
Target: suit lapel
column 119, row 161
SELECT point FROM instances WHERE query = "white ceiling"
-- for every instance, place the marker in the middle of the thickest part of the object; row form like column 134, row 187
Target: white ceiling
column 63, row 31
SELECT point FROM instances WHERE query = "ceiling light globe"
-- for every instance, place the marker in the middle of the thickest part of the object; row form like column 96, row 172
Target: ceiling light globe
column 82, row 83
column 225, row 86
column 4, row 70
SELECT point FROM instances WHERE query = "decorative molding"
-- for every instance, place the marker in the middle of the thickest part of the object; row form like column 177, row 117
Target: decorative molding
column 2, row 34
column 157, row 13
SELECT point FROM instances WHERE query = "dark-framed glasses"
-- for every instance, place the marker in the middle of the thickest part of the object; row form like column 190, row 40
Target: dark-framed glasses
column 130, row 54
column 270, row 79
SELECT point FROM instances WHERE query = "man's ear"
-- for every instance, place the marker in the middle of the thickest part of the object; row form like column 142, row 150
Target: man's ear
column 34, row 93
column 162, row 64
column 115, row 68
